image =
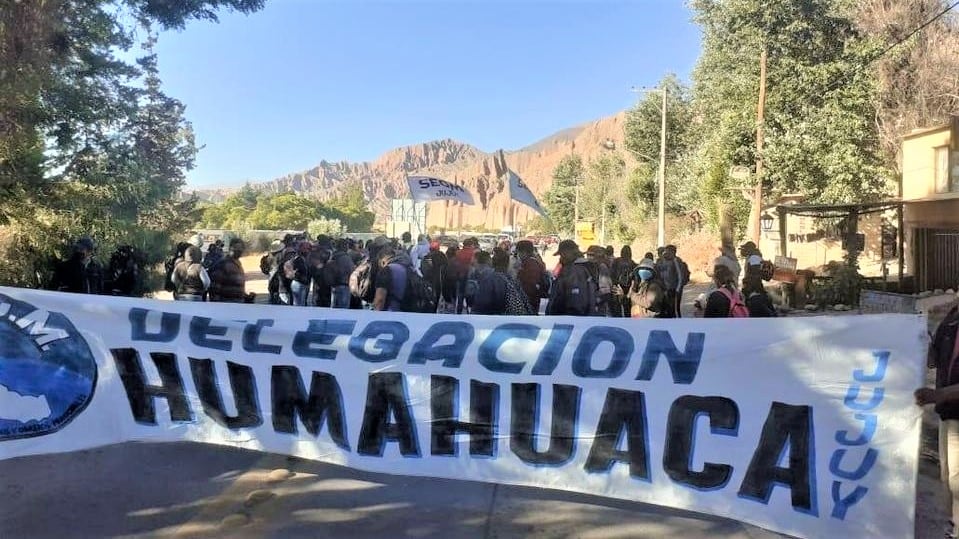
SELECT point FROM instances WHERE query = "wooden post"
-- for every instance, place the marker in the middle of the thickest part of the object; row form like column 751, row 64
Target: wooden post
column 757, row 198
column 900, row 239
column 781, row 211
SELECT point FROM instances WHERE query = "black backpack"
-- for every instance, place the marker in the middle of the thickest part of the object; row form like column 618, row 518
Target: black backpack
column 583, row 290
column 419, row 296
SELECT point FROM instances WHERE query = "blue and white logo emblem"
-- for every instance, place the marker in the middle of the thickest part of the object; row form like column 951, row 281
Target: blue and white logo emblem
column 47, row 372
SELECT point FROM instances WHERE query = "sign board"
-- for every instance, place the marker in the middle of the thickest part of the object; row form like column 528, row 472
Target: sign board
column 822, row 441
column 785, row 269
column 875, row 301
column 406, row 215
column 585, row 234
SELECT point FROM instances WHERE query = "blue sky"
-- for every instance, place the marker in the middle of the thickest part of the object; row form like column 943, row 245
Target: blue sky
column 304, row 80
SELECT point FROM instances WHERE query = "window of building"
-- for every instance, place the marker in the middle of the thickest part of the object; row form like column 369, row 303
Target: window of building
column 942, row 169
column 954, row 171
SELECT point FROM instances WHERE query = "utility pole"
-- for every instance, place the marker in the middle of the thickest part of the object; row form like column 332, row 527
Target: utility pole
column 757, row 198
column 661, row 217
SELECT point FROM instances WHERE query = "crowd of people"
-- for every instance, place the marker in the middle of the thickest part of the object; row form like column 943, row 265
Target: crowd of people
column 424, row 276
column 461, row 278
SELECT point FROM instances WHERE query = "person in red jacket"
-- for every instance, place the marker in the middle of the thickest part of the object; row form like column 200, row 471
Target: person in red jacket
column 530, row 273
column 461, row 268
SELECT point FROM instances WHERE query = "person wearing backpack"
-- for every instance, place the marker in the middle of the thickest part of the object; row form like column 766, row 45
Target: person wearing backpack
column 190, row 277
column 391, row 280
column 489, row 295
column 170, row 263
column 675, row 275
column 576, row 290
column 515, row 301
column 434, row 268
column 757, row 300
column 532, row 274
column 461, row 266
column 297, row 270
column 646, row 296
column 622, row 272
column 418, row 252
column 725, row 301
column 337, row 274
column 317, row 262
column 227, row 278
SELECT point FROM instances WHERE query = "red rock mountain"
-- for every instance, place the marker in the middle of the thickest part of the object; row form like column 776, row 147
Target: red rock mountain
column 480, row 172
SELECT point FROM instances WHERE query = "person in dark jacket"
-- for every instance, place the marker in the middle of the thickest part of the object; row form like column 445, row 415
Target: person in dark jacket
column 450, row 280
column 80, row 273
column 190, row 277
column 123, row 273
column 944, row 356
column 675, row 275
column 298, row 271
column 623, row 273
column 576, row 289
column 227, row 278
column 337, row 274
column 489, row 296
column 757, row 300
column 461, row 266
column 646, row 296
column 390, row 284
column 214, row 254
column 530, row 272
column 597, row 256
column 434, row 267
column 718, row 304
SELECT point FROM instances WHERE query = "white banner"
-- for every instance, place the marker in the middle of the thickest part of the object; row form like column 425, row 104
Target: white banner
column 519, row 192
column 427, row 189
column 804, row 426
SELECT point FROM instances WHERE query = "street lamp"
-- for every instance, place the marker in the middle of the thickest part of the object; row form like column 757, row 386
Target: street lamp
column 767, row 222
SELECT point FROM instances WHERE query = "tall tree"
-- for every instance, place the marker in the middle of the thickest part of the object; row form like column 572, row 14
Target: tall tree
column 560, row 199
column 89, row 143
column 918, row 76
column 643, row 136
column 819, row 128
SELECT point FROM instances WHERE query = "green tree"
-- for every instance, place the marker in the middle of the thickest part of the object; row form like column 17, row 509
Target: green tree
column 819, row 119
column 559, row 200
column 351, row 208
column 89, row 144
column 643, row 136
column 285, row 211
column 601, row 195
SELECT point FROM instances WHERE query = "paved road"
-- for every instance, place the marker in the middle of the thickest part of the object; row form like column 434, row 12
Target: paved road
column 192, row 490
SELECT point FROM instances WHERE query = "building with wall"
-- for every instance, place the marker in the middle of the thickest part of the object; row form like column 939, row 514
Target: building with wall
column 930, row 195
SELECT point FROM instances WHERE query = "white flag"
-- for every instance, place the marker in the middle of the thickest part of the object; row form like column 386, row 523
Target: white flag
column 520, row 193
column 427, row 189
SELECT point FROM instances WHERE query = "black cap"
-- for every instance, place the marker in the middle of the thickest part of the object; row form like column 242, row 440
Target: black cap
column 565, row 246
column 748, row 245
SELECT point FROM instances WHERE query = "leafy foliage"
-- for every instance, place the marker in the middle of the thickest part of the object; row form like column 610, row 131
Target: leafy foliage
column 89, row 143
column 560, row 199
column 247, row 209
column 838, row 101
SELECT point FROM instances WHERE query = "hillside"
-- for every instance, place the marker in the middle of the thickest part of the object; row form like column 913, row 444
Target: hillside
column 483, row 173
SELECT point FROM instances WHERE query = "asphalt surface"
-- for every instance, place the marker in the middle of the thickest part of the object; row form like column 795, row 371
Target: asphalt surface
column 180, row 490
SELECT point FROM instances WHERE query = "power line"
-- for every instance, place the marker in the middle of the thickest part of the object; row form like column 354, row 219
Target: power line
column 885, row 51
column 916, row 31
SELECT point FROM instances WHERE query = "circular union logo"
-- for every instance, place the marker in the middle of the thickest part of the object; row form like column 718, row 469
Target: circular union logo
column 47, row 372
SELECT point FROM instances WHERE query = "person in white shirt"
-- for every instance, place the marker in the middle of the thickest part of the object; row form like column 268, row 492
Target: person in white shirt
column 419, row 251
column 728, row 258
